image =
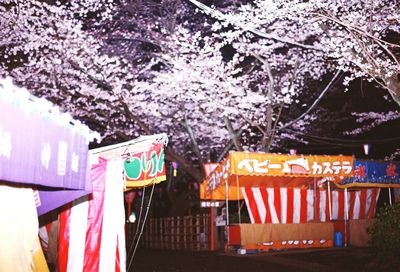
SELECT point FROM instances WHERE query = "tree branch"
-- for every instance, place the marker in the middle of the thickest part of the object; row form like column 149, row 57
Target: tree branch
column 170, row 154
column 233, row 135
column 99, row 82
column 139, row 122
column 380, row 42
column 330, row 84
column 228, row 147
column 220, row 16
column 266, row 140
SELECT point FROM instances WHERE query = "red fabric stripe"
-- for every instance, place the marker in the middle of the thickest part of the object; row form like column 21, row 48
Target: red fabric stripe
column 290, row 200
column 253, row 205
column 363, row 200
column 117, row 264
column 93, row 232
column 303, row 206
column 341, row 205
column 48, row 227
column 264, row 194
column 317, row 216
column 352, row 202
column 371, row 212
column 327, row 212
column 63, row 242
column 277, row 202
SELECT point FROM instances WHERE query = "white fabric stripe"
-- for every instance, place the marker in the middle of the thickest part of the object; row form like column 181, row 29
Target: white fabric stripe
column 77, row 232
column 335, row 205
column 283, row 205
column 296, row 205
column 310, row 205
column 271, row 203
column 113, row 217
column 44, row 237
column 121, row 227
column 322, row 205
column 347, row 204
column 356, row 209
column 260, row 203
column 368, row 202
column 246, row 199
column 376, row 200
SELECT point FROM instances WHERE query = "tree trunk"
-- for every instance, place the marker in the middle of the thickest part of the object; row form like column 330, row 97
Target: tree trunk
column 233, row 135
column 393, row 84
column 196, row 148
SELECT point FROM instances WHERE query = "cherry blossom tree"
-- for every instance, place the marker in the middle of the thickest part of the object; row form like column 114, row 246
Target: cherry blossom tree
column 238, row 78
column 352, row 36
column 55, row 49
column 45, row 48
column 359, row 38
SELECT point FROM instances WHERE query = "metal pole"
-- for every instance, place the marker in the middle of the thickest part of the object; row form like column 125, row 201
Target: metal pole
column 316, row 216
column 212, row 229
column 329, row 201
column 226, row 202
column 346, row 217
column 238, row 198
column 227, row 211
column 390, row 197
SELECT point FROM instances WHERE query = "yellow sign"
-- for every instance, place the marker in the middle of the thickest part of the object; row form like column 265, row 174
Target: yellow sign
column 257, row 164
column 264, row 169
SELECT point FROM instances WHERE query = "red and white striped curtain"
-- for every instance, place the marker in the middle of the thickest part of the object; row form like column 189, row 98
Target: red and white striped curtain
column 92, row 230
column 296, row 205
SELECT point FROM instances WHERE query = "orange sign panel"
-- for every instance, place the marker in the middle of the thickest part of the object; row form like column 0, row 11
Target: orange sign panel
column 243, row 169
column 258, row 164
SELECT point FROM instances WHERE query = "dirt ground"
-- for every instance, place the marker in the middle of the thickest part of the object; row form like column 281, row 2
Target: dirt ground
column 335, row 259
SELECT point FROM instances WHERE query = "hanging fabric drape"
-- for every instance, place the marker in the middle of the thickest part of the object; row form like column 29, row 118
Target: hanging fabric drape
column 92, row 233
column 20, row 248
column 295, row 205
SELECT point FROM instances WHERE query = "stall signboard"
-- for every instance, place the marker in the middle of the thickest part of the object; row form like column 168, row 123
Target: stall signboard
column 290, row 165
column 260, row 168
column 145, row 168
column 373, row 174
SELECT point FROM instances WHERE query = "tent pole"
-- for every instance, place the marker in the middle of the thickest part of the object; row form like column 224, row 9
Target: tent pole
column 226, row 202
column 329, row 201
column 212, row 248
column 227, row 211
column 316, row 215
column 346, row 215
column 390, row 196
column 238, row 197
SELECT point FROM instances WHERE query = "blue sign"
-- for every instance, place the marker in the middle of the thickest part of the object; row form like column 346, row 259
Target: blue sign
column 374, row 174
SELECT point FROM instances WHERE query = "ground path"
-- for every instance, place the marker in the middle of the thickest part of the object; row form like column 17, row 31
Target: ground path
column 335, row 259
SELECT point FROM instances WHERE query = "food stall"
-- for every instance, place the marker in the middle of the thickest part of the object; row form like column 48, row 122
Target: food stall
column 288, row 198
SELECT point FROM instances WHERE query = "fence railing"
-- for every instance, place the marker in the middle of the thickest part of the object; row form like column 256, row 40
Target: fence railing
column 174, row 233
